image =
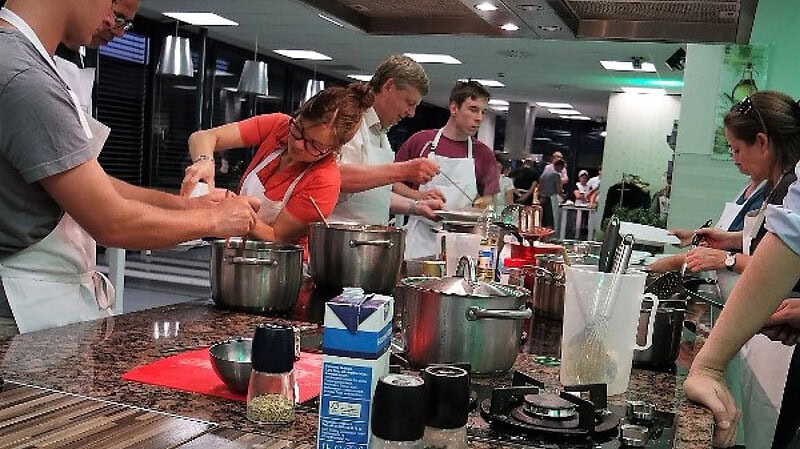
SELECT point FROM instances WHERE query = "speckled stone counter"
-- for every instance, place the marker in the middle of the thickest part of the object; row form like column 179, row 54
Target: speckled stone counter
column 89, row 359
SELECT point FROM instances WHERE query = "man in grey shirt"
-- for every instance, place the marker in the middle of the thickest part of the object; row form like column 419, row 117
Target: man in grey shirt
column 550, row 190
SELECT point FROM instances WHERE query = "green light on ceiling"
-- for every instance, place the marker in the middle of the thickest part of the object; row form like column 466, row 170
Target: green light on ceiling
column 652, row 82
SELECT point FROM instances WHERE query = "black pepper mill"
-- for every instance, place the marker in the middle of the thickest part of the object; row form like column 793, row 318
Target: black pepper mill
column 272, row 392
column 398, row 413
column 448, row 407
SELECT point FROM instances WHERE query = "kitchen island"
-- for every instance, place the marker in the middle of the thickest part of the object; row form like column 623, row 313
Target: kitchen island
column 88, row 359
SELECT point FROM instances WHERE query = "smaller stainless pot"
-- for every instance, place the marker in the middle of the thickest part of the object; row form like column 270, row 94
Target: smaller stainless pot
column 549, row 287
column 261, row 277
column 667, row 329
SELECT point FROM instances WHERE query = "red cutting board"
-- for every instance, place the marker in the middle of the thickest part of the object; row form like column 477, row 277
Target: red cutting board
column 192, row 371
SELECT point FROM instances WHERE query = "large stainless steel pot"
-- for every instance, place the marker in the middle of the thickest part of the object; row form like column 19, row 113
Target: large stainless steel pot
column 667, row 329
column 548, row 287
column 263, row 277
column 457, row 320
column 354, row 255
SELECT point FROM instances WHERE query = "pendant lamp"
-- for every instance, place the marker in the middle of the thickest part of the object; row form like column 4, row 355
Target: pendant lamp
column 176, row 56
column 313, row 87
column 254, row 77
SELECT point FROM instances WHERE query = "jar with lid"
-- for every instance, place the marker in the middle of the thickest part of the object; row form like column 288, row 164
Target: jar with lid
column 398, row 413
column 272, row 392
column 448, row 392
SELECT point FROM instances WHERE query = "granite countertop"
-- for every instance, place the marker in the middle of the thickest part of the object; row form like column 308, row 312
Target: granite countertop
column 89, row 359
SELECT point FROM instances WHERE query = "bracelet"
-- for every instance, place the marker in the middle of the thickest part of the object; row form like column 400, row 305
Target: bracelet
column 202, row 157
column 412, row 209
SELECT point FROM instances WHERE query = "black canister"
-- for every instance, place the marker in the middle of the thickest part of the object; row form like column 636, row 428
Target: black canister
column 447, row 390
column 271, row 394
column 398, row 413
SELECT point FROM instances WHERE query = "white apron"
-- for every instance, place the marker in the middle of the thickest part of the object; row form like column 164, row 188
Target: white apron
column 269, row 210
column 80, row 81
column 421, row 239
column 765, row 365
column 54, row 282
column 370, row 206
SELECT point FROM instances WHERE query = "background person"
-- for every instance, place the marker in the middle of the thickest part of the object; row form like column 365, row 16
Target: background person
column 367, row 162
column 295, row 161
column 464, row 160
column 56, row 197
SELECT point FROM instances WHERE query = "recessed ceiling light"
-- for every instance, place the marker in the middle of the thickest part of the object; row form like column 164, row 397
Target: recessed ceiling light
column 487, row 83
column 427, row 58
column 550, row 28
column 201, row 18
column 546, row 104
column 603, row 133
column 643, row 90
column 531, row 7
column 627, row 66
column 485, row 6
column 304, row 54
column 564, row 111
column 510, row 27
column 496, row 102
column 500, row 108
column 331, row 20
column 576, row 117
column 358, row 77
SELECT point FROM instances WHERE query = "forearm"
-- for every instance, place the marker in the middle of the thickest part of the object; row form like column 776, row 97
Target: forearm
column 150, row 196
column 772, row 273
column 400, row 205
column 361, row 177
column 202, row 143
column 406, row 191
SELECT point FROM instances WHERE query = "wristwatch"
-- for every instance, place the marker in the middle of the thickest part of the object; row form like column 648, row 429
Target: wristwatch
column 730, row 260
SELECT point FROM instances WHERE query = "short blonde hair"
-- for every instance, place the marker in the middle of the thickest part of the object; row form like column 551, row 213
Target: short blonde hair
column 405, row 72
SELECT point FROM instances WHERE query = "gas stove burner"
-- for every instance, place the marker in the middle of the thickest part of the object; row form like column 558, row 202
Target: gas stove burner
column 548, row 406
column 524, row 407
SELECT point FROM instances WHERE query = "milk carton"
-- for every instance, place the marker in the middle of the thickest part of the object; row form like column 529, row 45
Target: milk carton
column 355, row 344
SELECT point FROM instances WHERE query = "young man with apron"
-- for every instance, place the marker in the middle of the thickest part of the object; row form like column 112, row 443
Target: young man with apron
column 468, row 173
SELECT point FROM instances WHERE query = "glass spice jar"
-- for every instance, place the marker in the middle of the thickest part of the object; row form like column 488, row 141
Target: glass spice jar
column 272, row 392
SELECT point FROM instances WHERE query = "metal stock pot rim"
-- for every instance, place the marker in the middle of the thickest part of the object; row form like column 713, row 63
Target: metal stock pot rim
column 357, row 227
column 513, row 292
column 258, row 245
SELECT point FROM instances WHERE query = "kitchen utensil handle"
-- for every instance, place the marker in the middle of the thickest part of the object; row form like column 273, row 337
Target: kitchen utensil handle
column 556, row 277
column 475, row 313
column 253, row 261
column 651, row 322
column 384, row 243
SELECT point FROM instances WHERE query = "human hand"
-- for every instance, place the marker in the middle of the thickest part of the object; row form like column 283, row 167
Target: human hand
column 717, row 238
column 684, row 235
column 427, row 207
column 433, row 194
column 202, row 170
column 420, row 170
column 706, row 387
column 784, row 324
column 210, row 200
column 236, row 216
column 704, row 258
column 482, row 202
column 664, row 264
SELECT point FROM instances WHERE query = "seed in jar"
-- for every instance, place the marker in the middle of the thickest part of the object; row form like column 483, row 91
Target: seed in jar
column 271, row 407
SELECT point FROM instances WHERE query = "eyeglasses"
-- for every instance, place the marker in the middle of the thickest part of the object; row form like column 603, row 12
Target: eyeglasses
column 745, row 106
column 121, row 21
column 314, row 148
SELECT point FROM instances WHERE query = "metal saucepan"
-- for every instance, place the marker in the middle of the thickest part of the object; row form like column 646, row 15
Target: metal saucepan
column 548, row 286
column 261, row 277
column 355, row 255
column 667, row 329
column 460, row 320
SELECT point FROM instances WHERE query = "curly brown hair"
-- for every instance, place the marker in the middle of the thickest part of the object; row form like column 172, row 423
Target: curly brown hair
column 341, row 106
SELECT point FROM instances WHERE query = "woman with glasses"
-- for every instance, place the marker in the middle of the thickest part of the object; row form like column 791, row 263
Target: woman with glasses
column 295, row 161
column 764, row 135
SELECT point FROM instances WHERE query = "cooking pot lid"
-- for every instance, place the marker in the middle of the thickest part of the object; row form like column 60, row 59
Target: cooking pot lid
column 357, row 227
column 458, row 286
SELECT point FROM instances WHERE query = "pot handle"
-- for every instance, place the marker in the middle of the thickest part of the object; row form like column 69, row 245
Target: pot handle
column 650, row 323
column 475, row 313
column 384, row 243
column 253, row 261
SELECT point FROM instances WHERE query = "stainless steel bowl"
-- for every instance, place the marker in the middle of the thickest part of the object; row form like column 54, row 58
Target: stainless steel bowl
column 231, row 362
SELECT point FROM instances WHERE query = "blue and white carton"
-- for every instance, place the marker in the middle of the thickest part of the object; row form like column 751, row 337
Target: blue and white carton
column 355, row 345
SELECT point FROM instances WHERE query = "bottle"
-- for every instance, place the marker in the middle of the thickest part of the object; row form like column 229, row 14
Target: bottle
column 746, row 85
column 272, row 392
column 398, row 413
column 447, row 390
column 505, row 253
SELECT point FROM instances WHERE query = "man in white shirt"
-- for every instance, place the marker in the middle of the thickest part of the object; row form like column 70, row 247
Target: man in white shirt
column 367, row 161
